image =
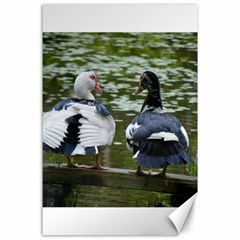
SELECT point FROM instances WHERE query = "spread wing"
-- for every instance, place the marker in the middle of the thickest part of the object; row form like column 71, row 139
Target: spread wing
column 79, row 123
column 95, row 129
column 55, row 127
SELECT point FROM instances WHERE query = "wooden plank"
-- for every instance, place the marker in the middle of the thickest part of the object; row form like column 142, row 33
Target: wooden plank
column 119, row 178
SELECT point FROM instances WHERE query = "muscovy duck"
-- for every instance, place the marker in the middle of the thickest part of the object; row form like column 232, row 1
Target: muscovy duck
column 79, row 125
column 155, row 138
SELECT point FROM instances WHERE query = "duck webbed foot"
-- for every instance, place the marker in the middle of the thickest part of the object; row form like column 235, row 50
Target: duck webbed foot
column 97, row 165
column 161, row 174
column 69, row 163
column 72, row 165
column 139, row 172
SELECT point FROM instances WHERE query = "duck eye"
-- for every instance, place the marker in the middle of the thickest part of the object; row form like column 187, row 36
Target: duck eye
column 144, row 83
column 93, row 77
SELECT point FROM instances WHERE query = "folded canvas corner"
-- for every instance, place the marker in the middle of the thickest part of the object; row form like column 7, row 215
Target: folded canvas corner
column 179, row 216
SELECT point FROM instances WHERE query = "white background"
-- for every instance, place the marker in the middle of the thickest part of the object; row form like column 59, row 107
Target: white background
column 216, row 210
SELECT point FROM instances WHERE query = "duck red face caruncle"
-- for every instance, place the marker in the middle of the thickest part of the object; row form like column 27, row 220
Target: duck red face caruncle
column 97, row 87
column 142, row 84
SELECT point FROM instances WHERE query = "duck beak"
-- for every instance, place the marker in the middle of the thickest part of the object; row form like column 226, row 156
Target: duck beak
column 98, row 88
column 139, row 89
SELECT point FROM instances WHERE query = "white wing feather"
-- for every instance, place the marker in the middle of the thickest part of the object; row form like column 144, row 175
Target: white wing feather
column 131, row 129
column 95, row 129
column 185, row 135
column 167, row 136
column 55, row 127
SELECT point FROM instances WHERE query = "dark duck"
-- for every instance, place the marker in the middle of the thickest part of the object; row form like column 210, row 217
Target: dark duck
column 156, row 139
column 79, row 125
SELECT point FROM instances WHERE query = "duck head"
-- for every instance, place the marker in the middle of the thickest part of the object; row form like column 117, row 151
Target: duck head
column 149, row 80
column 85, row 83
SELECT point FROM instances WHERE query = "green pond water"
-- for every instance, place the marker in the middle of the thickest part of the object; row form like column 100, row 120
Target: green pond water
column 118, row 60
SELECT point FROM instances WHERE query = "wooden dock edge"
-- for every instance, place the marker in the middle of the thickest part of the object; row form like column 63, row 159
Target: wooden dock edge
column 119, row 178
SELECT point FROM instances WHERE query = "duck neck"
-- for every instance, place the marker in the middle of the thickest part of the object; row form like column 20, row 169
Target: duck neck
column 153, row 101
column 85, row 94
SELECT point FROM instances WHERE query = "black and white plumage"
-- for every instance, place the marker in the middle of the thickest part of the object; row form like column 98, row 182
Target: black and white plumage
column 155, row 138
column 79, row 125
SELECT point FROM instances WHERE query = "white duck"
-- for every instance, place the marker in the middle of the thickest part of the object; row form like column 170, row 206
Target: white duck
column 79, row 125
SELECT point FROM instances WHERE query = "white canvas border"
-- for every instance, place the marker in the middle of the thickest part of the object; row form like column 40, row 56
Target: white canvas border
column 120, row 18
column 108, row 222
